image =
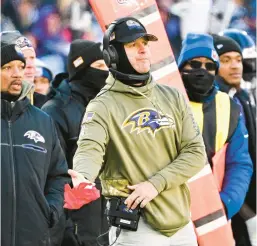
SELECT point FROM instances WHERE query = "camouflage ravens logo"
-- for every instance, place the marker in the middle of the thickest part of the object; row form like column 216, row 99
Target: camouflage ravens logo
column 148, row 119
column 34, row 136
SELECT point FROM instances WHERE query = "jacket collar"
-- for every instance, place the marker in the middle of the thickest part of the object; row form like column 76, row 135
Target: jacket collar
column 66, row 90
column 12, row 110
column 223, row 86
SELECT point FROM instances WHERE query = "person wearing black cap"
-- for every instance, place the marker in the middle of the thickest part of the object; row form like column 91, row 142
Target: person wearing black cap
column 33, row 166
column 142, row 138
column 132, row 70
column 231, row 66
column 15, row 37
column 229, row 77
column 249, row 53
column 43, row 77
column 11, row 59
column 87, row 73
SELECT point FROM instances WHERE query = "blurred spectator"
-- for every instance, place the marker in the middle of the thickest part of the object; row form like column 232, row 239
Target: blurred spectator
column 43, row 77
column 28, row 13
column 22, row 13
column 49, row 33
column 28, row 51
column 6, row 23
column 194, row 15
column 81, row 19
column 9, row 11
column 220, row 15
column 244, row 17
column 83, row 23
column 52, row 39
column 30, row 56
column 172, row 25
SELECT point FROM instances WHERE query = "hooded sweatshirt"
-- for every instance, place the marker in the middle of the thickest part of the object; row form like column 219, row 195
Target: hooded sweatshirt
column 131, row 135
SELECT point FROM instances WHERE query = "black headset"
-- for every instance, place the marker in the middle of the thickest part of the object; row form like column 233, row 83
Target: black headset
column 110, row 54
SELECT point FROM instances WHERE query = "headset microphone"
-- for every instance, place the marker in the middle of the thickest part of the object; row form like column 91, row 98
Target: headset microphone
column 125, row 77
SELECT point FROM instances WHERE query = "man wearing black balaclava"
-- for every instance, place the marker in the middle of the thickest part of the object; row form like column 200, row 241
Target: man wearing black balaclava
column 142, row 139
column 131, row 70
column 125, row 67
column 87, row 74
column 219, row 120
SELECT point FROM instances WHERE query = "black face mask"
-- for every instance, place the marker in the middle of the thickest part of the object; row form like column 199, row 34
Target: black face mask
column 94, row 78
column 198, row 81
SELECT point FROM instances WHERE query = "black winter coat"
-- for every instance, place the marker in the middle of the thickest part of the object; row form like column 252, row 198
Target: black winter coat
column 33, row 175
column 67, row 108
column 67, row 104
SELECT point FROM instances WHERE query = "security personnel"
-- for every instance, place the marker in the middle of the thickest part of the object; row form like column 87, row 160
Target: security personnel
column 219, row 120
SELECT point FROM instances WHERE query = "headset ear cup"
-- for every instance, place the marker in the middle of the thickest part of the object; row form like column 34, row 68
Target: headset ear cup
column 114, row 57
column 107, row 58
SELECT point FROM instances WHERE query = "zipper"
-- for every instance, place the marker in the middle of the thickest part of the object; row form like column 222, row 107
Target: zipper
column 13, row 184
column 76, row 229
column 49, row 238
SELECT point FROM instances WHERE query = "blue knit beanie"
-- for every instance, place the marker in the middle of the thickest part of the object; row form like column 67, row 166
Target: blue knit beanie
column 197, row 45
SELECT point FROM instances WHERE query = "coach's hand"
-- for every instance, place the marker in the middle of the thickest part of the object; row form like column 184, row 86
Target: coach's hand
column 142, row 194
column 77, row 178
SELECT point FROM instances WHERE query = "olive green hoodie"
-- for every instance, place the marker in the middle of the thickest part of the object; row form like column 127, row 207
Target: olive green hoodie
column 135, row 134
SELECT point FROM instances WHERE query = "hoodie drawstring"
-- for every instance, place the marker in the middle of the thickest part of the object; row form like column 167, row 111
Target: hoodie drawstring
column 155, row 105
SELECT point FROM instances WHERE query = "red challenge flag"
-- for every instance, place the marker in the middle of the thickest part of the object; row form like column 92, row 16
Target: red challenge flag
column 84, row 193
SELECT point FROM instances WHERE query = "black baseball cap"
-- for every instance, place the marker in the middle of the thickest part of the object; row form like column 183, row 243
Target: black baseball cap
column 129, row 31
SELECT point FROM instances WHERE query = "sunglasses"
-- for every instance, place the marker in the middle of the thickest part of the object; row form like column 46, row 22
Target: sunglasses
column 197, row 64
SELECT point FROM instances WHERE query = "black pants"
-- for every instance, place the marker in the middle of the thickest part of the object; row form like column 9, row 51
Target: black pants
column 240, row 231
column 86, row 224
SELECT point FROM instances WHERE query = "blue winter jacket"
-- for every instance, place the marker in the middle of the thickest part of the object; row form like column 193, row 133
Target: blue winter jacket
column 238, row 170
